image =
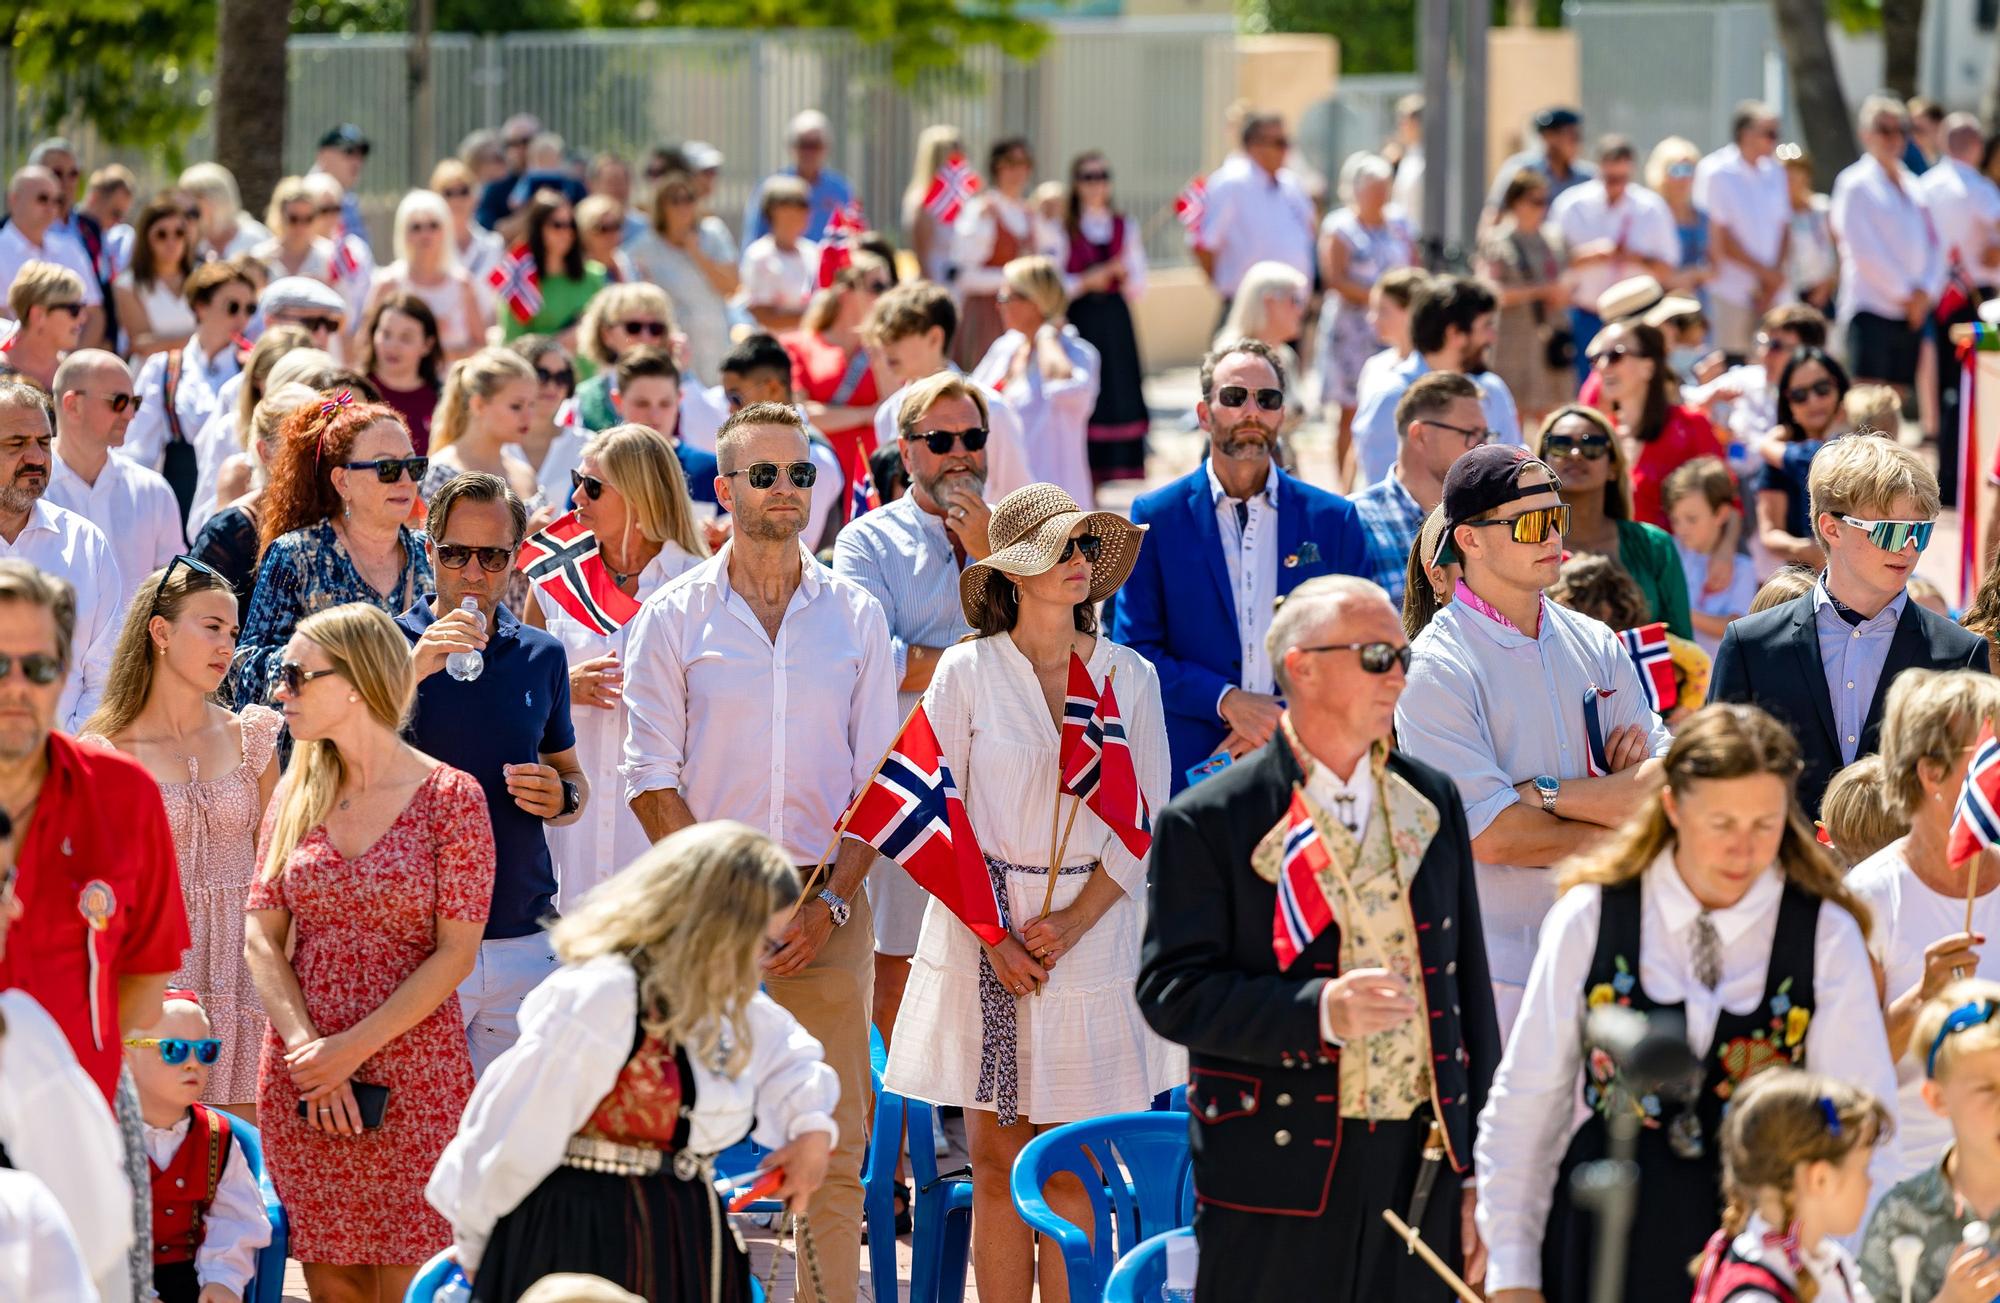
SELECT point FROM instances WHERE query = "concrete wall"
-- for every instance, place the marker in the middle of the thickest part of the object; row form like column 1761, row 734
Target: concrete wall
column 1177, row 317
column 1526, row 69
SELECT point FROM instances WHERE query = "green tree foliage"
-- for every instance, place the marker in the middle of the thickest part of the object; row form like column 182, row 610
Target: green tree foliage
column 1374, row 35
column 130, row 68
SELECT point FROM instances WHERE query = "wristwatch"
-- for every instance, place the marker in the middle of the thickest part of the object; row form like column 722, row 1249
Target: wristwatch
column 835, row 906
column 572, row 799
column 1549, row 789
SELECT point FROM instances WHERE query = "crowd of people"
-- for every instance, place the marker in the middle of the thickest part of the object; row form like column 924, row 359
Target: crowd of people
column 447, row 683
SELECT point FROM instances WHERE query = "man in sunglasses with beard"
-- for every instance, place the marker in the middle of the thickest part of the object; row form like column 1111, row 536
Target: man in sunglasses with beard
column 1535, row 711
column 132, row 504
column 508, row 726
column 1228, row 541
column 1823, row 663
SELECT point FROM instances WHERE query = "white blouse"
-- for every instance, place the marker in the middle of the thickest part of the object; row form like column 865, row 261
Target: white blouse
column 576, row 1035
column 235, row 1226
column 1533, row 1109
column 1055, row 414
column 978, row 228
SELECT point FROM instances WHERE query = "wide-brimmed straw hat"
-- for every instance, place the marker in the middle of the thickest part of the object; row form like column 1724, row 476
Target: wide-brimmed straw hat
column 1028, row 532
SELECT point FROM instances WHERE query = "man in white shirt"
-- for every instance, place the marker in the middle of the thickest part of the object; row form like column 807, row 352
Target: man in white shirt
column 132, row 505
column 1256, row 211
column 1408, row 191
column 912, row 328
column 1452, row 329
column 1891, row 265
column 1743, row 188
column 1614, row 228
column 1965, row 207
column 34, row 205
column 761, row 687
column 60, row 543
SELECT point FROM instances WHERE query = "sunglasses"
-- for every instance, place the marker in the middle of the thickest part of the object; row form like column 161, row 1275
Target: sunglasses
column 420, row 228
column 763, row 474
column 1271, row 400
column 1531, row 526
column 70, row 309
column 457, row 192
column 1376, row 657
column 559, row 224
column 183, row 561
column 234, row 308
column 390, row 469
column 562, row 379
column 1817, row 389
column 328, row 210
column 455, row 556
column 298, row 219
column 650, row 329
column 174, row 1050
column 940, row 441
column 320, row 325
column 607, row 228
column 588, row 485
column 42, row 668
column 1591, row 447
column 1894, row 535
column 1616, row 353
column 1090, row 545
column 168, row 233
column 1473, row 437
column 116, row 402
column 293, row 677
column 1093, row 176
column 877, row 286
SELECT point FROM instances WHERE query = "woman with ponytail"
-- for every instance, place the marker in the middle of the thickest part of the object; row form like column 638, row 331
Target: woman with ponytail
column 377, row 862
column 487, row 409
column 1714, row 904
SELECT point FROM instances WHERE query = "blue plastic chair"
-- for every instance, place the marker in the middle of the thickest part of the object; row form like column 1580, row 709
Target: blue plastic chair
column 1171, row 1101
column 432, row 1277
column 1138, row 1174
column 1141, row 1275
column 940, row 1213
column 268, row 1284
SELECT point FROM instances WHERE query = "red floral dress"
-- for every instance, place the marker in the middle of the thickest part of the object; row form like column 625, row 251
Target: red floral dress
column 362, row 926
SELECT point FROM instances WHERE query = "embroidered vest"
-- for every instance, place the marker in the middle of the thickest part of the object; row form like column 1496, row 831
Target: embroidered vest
column 644, row 1106
column 184, row 1189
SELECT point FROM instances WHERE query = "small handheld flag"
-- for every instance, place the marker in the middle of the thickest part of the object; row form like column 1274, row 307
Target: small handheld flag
column 864, row 497
column 1654, row 659
column 1302, row 911
column 562, row 560
column 1191, row 207
column 1097, row 763
column 953, row 185
column 1975, row 822
column 518, row 282
column 843, row 233
column 346, row 258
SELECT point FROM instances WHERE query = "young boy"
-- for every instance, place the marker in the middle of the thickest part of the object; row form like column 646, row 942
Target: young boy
column 1914, row 1247
column 1856, row 818
column 1389, row 316
column 1876, row 408
column 1700, row 499
column 208, row 1216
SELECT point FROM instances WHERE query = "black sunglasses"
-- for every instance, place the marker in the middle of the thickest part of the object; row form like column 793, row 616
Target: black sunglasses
column 1271, row 400
column 1591, row 447
column 315, row 325
column 116, row 402
column 1093, row 176
column 650, row 329
column 940, row 441
column 42, row 668
column 456, row 192
column 763, row 474
column 390, row 469
column 1376, row 657
column 167, row 576
column 454, row 556
column 293, row 677
column 562, row 379
column 588, row 485
column 1817, row 389
column 1090, row 545
column 71, row 309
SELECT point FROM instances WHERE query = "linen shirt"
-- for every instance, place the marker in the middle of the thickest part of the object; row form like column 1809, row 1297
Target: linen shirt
column 1852, row 656
column 235, row 1225
column 902, row 555
column 778, row 734
column 69, row 547
column 1393, row 520
column 1253, row 216
column 1532, row 1110
column 1250, row 551
column 1640, row 221
column 196, row 398
column 1754, row 202
column 1965, row 208
column 1888, row 247
column 57, row 246
column 1375, row 439
column 134, row 506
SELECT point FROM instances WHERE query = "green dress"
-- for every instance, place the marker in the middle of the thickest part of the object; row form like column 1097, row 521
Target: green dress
column 1648, row 554
column 563, row 301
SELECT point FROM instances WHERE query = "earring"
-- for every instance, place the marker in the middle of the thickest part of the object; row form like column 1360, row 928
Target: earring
column 353, row 697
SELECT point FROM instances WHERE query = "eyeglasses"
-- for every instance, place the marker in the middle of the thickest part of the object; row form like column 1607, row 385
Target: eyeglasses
column 319, row 325
column 650, row 329
column 940, row 441
column 1531, row 526
column 455, row 556
column 562, row 379
column 390, row 469
column 588, row 485
column 174, row 1050
column 1817, row 389
column 293, row 677
column 1376, row 657
column 1591, row 447
column 183, row 561
column 1963, row 1018
column 763, row 474
column 1090, row 545
column 456, row 192
column 116, row 402
column 1271, row 400
column 1473, row 437
column 42, row 668
column 1093, row 176
column 1894, row 535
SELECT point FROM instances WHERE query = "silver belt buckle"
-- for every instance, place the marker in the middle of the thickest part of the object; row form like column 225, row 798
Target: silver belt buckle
column 590, row 1154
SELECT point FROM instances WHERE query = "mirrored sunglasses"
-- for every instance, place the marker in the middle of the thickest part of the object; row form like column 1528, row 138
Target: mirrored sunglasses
column 1271, row 400
column 1894, row 535
column 1591, row 447
column 175, row 1050
column 763, row 474
column 1090, row 545
column 1531, row 526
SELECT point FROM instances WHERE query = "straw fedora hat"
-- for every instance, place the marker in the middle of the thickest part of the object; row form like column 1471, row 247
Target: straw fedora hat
column 1029, row 529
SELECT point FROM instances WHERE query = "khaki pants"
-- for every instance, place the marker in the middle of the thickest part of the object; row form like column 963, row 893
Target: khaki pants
column 832, row 999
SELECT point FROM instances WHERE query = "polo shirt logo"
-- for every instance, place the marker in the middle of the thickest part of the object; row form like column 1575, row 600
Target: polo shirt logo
column 529, row 698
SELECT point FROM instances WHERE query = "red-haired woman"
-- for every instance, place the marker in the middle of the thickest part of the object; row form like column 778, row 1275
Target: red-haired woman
column 333, row 529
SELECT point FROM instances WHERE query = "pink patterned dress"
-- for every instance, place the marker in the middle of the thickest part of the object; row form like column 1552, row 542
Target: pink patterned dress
column 362, row 926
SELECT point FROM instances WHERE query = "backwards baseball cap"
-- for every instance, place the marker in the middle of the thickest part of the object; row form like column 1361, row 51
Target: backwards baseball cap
column 1552, row 119
column 1487, row 477
column 347, row 137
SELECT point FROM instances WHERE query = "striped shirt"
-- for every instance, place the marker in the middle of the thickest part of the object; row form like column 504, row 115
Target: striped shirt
column 1393, row 519
column 902, row 556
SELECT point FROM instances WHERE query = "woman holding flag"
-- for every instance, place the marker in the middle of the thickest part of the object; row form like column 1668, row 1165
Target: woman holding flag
column 1027, row 718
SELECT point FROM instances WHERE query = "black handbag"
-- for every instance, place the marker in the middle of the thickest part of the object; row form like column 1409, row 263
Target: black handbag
column 178, row 465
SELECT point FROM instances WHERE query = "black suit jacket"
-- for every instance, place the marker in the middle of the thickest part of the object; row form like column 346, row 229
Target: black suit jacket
column 1265, row 1089
column 1772, row 660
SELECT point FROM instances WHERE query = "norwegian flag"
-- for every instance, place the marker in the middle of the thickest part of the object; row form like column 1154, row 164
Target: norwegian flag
column 1975, row 824
column 1191, row 206
column 848, row 219
column 518, row 282
column 1097, row 763
column 1647, row 646
column 912, row 813
column 864, row 497
column 954, row 183
column 346, row 257
column 843, row 230
column 562, row 560
column 1303, row 911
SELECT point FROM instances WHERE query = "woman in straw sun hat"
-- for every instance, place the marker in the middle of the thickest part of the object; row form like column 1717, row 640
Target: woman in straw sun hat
column 972, row 1031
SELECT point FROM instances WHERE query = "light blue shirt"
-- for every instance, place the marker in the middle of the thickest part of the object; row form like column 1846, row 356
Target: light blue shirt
column 901, row 554
column 1375, row 417
column 1852, row 656
column 830, row 191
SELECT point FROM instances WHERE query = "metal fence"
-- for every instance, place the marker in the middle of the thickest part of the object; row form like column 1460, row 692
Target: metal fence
column 1150, row 93
column 1652, row 70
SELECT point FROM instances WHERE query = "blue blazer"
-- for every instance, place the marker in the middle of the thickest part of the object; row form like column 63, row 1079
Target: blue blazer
column 1178, row 612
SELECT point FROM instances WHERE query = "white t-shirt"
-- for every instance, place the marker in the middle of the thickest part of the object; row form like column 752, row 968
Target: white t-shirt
column 779, row 278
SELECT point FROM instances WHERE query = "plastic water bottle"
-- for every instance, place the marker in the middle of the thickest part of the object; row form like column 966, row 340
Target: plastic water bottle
column 465, row 666
column 454, row 1290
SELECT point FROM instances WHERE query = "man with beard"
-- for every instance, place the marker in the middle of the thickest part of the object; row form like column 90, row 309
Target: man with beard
column 909, row 555
column 58, row 542
column 1451, row 329
column 761, row 687
column 911, row 329
column 1228, row 541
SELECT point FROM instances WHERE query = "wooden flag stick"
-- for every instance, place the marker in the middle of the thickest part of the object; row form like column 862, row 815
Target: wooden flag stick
column 1057, row 848
column 1972, row 887
column 825, row 861
column 1431, row 1260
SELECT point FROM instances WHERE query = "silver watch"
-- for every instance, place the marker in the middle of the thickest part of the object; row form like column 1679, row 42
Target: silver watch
column 835, row 906
column 1548, row 789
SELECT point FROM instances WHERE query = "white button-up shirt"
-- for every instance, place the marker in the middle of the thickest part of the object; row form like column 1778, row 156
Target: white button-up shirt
column 196, row 395
column 134, row 507
column 1252, row 216
column 1888, row 248
column 235, row 1225
column 1965, row 208
column 71, row 548
column 16, row 252
column 1640, row 221
column 1250, row 550
column 778, row 734
column 1754, row 202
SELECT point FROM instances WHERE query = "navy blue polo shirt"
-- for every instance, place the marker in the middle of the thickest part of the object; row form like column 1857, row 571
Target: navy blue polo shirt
column 514, row 713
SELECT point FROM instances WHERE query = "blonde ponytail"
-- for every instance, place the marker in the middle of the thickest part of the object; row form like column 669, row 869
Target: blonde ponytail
column 481, row 375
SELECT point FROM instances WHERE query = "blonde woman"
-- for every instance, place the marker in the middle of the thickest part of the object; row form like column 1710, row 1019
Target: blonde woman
column 215, row 774
column 930, row 241
column 1670, row 170
column 1047, row 372
column 1713, row 901
column 600, row 225
column 580, row 1151
column 47, row 299
column 377, row 862
column 620, row 319
column 476, row 249
column 227, row 542
column 354, row 262
column 226, row 432
column 694, row 264
column 295, row 248
column 1270, row 307
column 223, row 229
column 427, row 266
column 486, row 409
column 630, row 493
